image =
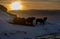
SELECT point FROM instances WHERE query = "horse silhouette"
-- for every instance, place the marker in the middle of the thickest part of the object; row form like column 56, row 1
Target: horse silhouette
column 16, row 20
column 23, row 21
column 41, row 21
column 29, row 21
column 19, row 21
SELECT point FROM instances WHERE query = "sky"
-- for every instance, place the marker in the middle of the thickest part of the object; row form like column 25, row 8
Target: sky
column 35, row 4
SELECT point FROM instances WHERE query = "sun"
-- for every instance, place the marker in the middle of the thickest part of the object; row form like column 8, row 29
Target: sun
column 16, row 5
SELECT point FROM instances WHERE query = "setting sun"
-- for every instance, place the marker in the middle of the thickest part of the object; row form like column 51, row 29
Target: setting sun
column 16, row 5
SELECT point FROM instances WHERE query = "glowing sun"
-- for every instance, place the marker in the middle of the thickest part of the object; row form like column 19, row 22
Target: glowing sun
column 16, row 5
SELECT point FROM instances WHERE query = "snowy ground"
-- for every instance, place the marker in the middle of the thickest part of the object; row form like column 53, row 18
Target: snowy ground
column 10, row 31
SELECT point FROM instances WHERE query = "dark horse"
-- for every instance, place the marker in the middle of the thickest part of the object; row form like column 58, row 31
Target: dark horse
column 29, row 21
column 42, row 21
column 19, row 21
column 23, row 21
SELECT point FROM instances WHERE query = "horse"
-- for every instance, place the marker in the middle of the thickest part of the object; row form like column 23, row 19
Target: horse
column 22, row 21
column 41, row 21
column 29, row 21
column 44, row 19
column 19, row 21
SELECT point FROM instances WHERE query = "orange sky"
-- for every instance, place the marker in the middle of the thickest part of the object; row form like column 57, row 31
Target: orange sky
column 36, row 4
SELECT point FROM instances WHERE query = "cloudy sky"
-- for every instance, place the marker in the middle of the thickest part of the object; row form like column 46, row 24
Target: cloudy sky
column 36, row 4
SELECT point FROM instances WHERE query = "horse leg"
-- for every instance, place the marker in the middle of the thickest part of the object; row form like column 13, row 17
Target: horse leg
column 36, row 22
column 31, row 23
column 43, row 22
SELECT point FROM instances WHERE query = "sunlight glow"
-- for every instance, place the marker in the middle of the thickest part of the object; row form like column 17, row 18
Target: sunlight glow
column 16, row 5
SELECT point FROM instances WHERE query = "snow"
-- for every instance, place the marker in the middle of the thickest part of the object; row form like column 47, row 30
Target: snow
column 10, row 31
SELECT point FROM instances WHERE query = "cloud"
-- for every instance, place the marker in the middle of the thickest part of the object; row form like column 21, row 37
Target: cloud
column 43, row 0
column 31, row 0
column 9, row 1
column 38, row 4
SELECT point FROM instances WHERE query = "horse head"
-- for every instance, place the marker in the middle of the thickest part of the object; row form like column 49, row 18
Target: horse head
column 33, row 18
column 45, row 18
